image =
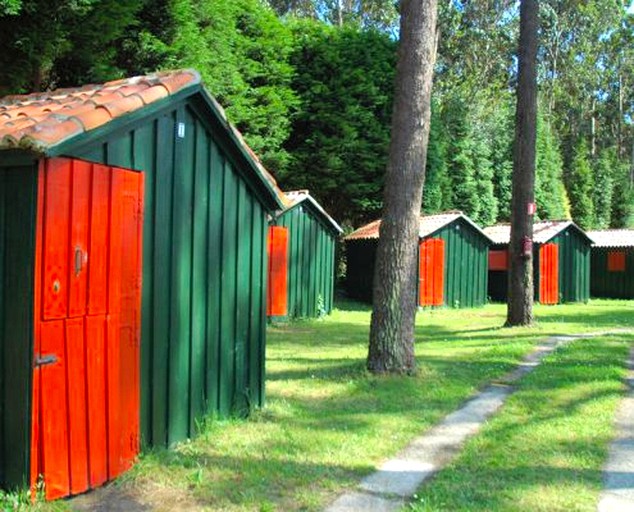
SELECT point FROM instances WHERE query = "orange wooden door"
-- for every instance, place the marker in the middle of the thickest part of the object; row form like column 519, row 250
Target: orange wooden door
column 87, row 306
column 549, row 274
column 277, row 295
column 431, row 272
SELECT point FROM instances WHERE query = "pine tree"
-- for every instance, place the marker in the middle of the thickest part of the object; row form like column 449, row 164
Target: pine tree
column 603, row 188
column 623, row 196
column 461, row 165
column 487, row 210
column 580, row 187
column 391, row 347
column 550, row 193
column 520, row 296
column 436, row 178
column 501, row 127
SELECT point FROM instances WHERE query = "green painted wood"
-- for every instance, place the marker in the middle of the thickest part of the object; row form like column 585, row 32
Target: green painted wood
column 158, row 340
column 18, row 200
column 256, row 304
column 120, row 150
column 181, row 279
column 144, row 155
column 466, row 265
column 3, row 245
column 228, row 291
column 214, row 294
column 260, row 337
column 199, row 285
column 243, row 290
column 610, row 284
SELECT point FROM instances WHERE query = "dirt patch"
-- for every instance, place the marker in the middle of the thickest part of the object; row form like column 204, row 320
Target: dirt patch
column 149, row 497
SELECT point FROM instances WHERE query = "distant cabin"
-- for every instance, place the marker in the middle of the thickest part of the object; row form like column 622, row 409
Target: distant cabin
column 452, row 267
column 612, row 264
column 561, row 263
column 302, row 239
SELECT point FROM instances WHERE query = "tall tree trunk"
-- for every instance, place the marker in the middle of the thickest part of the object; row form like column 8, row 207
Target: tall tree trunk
column 392, row 329
column 593, row 129
column 520, row 297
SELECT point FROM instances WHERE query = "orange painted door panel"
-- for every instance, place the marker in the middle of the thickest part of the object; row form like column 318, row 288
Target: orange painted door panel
column 277, row 303
column 431, row 272
column 549, row 274
column 86, row 377
column 55, row 241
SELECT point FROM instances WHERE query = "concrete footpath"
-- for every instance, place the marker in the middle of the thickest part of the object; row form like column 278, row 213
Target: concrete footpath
column 618, row 472
column 395, row 481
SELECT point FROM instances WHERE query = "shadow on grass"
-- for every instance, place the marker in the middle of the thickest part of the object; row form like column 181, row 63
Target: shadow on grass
column 218, row 482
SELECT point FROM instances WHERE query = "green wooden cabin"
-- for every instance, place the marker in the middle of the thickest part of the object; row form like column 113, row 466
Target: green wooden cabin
column 453, row 274
column 612, row 264
column 207, row 206
column 561, row 262
column 312, row 236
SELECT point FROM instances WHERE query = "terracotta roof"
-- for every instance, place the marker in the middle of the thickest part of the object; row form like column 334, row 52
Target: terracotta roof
column 542, row 231
column 40, row 120
column 429, row 224
column 612, row 237
column 295, row 197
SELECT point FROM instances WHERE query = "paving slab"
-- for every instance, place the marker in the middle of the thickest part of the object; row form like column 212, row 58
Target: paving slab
column 618, row 472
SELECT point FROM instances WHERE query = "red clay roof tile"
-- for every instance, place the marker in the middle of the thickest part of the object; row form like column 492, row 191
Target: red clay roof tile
column 40, row 120
column 94, row 118
column 153, row 93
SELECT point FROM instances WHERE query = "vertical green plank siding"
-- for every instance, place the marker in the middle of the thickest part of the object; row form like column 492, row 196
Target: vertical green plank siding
column 574, row 266
column 613, row 285
column 228, row 290
column 18, row 202
column 260, row 336
column 181, row 279
column 244, row 290
column 311, row 269
column 214, row 251
column 199, row 287
column 158, row 300
column 204, row 272
column 466, row 265
column 146, row 137
column 3, row 301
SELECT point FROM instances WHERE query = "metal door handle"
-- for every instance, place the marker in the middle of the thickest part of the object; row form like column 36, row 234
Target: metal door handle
column 45, row 360
column 79, row 260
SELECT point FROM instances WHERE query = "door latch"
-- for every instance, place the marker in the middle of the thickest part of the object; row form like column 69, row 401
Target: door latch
column 79, row 260
column 45, row 360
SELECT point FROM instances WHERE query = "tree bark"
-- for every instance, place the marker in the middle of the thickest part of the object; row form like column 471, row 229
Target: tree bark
column 391, row 347
column 520, row 296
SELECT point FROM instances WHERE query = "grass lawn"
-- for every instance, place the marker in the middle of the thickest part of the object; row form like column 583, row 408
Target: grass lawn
column 327, row 422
